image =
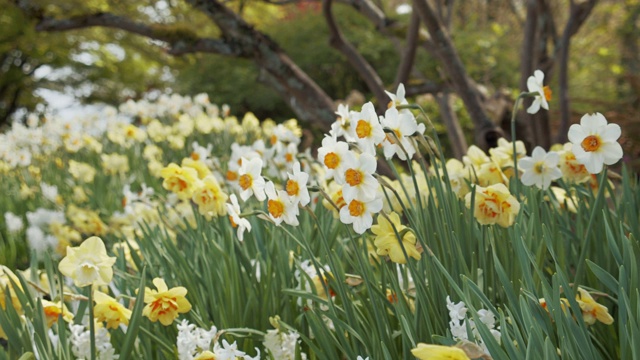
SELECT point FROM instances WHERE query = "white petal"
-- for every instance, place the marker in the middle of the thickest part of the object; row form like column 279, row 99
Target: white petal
column 528, row 178
column 612, row 152
column 535, row 106
column 526, row 163
column 611, row 133
column 576, row 134
column 552, row 159
column 538, row 153
column 539, row 76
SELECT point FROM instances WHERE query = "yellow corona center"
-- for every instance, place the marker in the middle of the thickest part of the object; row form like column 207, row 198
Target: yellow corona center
column 547, row 93
column 275, row 207
column 591, row 143
column 539, row 167
column 273, row 139
column 233, row 223
column 288, row 157
column 356, row 208
column 292, row 187
column 353, row 177
column 245, row 181
column 331, row 160
column 195, row 156
column 182, row 184
column 363, row 129
column 489, row 207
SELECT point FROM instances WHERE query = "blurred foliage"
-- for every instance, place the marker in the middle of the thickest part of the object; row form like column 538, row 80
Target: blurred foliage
column 110, row 66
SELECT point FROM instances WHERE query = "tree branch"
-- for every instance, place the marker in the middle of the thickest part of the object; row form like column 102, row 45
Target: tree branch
column 181, row 41
column 410, row 49
column 359, row 63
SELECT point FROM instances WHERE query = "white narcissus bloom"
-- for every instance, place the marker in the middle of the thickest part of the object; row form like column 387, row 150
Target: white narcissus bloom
column 296, row 186
column 358, row 176
column 541, row 168
column 234, row 216
column 280, row 206
column 398, row 98
column 367, row 129
column 595, row 142
column 250, row 180
column 403, row 125
column 14, row 223
column 342, row 126
column 360, row 213
column 535, row 84
column 332, row 155
column 88, row 264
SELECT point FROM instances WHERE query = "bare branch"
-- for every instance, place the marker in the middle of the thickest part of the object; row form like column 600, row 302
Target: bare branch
column 359, row 63
column 180, row 41
column 410, row 49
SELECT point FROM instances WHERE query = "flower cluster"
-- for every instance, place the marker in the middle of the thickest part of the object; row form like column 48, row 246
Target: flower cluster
column 460, row 323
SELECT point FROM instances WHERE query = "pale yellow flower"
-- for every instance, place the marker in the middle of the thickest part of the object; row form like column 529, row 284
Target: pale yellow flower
column 494, row 205
column 109, row 310
column 81, row 171
column 7, row 279
column 591, row 310
column 86, row 221
column 205, row 355
column 210, row 198
column 88, row 264
column 52, row 310
column 387, row 242
column 438, row 352
column 165, row 304
column 79, row 195
column 197, row 165
column 179, row 180
column 115, row 163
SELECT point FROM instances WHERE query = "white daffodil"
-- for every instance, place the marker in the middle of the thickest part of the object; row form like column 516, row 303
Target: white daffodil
column 403, row 125
column 535, row 84
column 595, row 143
column 250, row 180
column 398, row 98
column 367, row 129
column 233, row 209
column 332, row 155
column 359, row 181
column 342, row 126
column 280, row 206
column 541, row 168
column 296, row 186
column 359, row 213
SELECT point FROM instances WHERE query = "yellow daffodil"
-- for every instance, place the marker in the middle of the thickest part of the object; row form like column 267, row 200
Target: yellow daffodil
column 438, row 352
column 494, row 205
column 88, row 264
column 591, row 310
column 210, row 198
column 179, row 180
column 196, row 165
column 54, row 309
column 387, row 241
column 107, row 309
column 7, row 279
column 165, row 304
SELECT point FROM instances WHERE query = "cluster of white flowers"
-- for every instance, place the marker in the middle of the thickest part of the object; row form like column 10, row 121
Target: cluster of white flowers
column 39, row 221
column 353, row 170
column 195, row 343
column 282, row 345
column 81, row 343
column 459, row 322
column 193, row 340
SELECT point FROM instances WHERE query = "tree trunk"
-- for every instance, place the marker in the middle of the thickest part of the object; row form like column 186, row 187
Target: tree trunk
column 454, row 130
column 310, row 103
column 486, row 133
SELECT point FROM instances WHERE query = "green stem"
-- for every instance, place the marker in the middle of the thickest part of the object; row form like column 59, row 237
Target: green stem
column 92, row 325
column 587, row 238
column 513, row 141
